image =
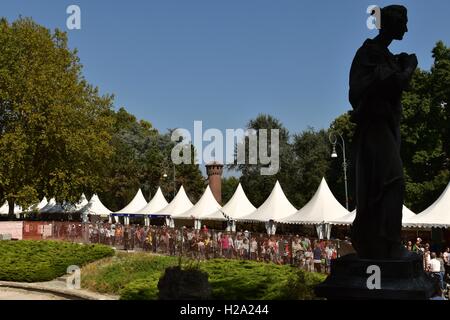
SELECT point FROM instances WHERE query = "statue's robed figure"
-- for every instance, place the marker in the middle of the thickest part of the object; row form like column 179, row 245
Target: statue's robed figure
column 377, row 81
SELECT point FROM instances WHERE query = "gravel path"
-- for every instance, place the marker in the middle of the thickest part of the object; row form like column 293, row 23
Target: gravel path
column 19, row 294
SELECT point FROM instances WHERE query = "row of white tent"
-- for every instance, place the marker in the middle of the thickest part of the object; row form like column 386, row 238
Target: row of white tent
column 93, row 207
column 322, row 209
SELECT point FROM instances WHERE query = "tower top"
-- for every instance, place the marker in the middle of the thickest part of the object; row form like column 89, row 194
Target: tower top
column 214, row 168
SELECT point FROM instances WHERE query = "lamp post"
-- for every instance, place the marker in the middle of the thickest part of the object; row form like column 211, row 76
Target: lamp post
column 165, row 175
column 334, row 141
column 174, row 182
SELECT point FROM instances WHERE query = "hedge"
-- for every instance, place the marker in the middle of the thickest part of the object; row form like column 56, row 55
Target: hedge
column 135, row 277
column 38, row 261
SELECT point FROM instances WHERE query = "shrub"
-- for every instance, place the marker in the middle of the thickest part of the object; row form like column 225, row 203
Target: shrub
column 36, row 261
column 135, row 277
column 142, row 289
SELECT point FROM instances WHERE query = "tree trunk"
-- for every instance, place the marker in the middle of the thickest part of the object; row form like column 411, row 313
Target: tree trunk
column 11, row 209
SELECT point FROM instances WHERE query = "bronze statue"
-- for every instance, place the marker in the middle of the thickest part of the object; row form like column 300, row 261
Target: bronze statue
column 377, row 81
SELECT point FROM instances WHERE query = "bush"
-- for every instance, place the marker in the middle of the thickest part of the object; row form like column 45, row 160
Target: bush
column 142, row 289
column 135, row 277
column 125, row 274
column 37, row 261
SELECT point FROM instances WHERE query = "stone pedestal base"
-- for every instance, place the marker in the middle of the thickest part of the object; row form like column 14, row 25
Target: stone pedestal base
column 351, row 278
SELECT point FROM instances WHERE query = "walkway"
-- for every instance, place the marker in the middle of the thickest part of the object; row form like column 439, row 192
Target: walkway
column 50, row 290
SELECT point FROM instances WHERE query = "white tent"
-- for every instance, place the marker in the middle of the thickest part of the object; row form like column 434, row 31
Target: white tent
column 436, row 216
column 178, row 205
column 77, row 206
column 321, row 209
column 48, row 206
column 207, row 208
column 42, row 204
column 37, row 206
column 57, row 208
column 238, row 206
column 4, row 208
column 157, row 203
column 95, row 208
column 275, row 208
column 135, row 205
column 350, row 217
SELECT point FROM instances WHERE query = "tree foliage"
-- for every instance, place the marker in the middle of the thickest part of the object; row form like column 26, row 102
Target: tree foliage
column 59, row 137
column 425, row 132
column 425, row 128
column 54, row 126
column 141, row 159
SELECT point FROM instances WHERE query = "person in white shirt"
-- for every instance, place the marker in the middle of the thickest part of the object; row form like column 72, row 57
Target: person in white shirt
column 253, row 249
column 435, row 268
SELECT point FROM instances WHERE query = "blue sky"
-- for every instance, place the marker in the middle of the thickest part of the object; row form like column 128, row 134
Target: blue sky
column 223, row 62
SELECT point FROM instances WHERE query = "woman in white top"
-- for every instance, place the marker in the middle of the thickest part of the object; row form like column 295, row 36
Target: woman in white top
column 253, row 249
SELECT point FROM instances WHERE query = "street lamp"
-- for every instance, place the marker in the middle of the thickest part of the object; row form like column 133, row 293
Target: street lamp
column 174, row 182
column 334, row 141
column 165, row 175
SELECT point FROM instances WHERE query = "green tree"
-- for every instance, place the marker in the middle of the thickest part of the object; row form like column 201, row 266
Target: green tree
column 229, row 186
column 54, row 126
column 142, row 160
column 425, row 132
column 312, row 162
column 257, row 186
column 342, row 125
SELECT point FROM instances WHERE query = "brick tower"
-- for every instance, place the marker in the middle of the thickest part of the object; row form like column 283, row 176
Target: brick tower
column 214, row 171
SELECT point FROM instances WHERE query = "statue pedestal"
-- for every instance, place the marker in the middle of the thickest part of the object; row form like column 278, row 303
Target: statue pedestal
column 351, row 278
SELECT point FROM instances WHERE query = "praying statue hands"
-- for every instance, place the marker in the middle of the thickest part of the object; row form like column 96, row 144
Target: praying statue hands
column 407, row 62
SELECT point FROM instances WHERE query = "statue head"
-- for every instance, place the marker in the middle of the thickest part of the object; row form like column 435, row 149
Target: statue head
column 394, row 21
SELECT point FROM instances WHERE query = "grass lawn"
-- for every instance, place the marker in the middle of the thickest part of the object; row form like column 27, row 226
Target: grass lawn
column 135, row 277
column 36, row 261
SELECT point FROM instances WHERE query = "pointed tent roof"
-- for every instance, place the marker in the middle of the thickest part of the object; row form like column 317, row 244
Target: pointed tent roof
column 95, row 207
column 322, row 208
column 435, row 216
column 350, row 217
column 157, row 203
column 136, row 204
column 4, row 209
column 77, row 206
column 238, row 206
column 178, row 205
column 48, row 206
column 276, row 207
column 207, row 208
column 38, row 206
column 42, row 204
column 82, row 203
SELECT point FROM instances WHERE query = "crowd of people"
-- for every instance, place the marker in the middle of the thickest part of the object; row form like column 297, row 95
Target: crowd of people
column 301, row 251
column 310, row 255
column 436, row 264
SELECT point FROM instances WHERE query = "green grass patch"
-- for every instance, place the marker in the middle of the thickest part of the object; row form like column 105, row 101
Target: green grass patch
column 136, row 276
column 36, row 261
